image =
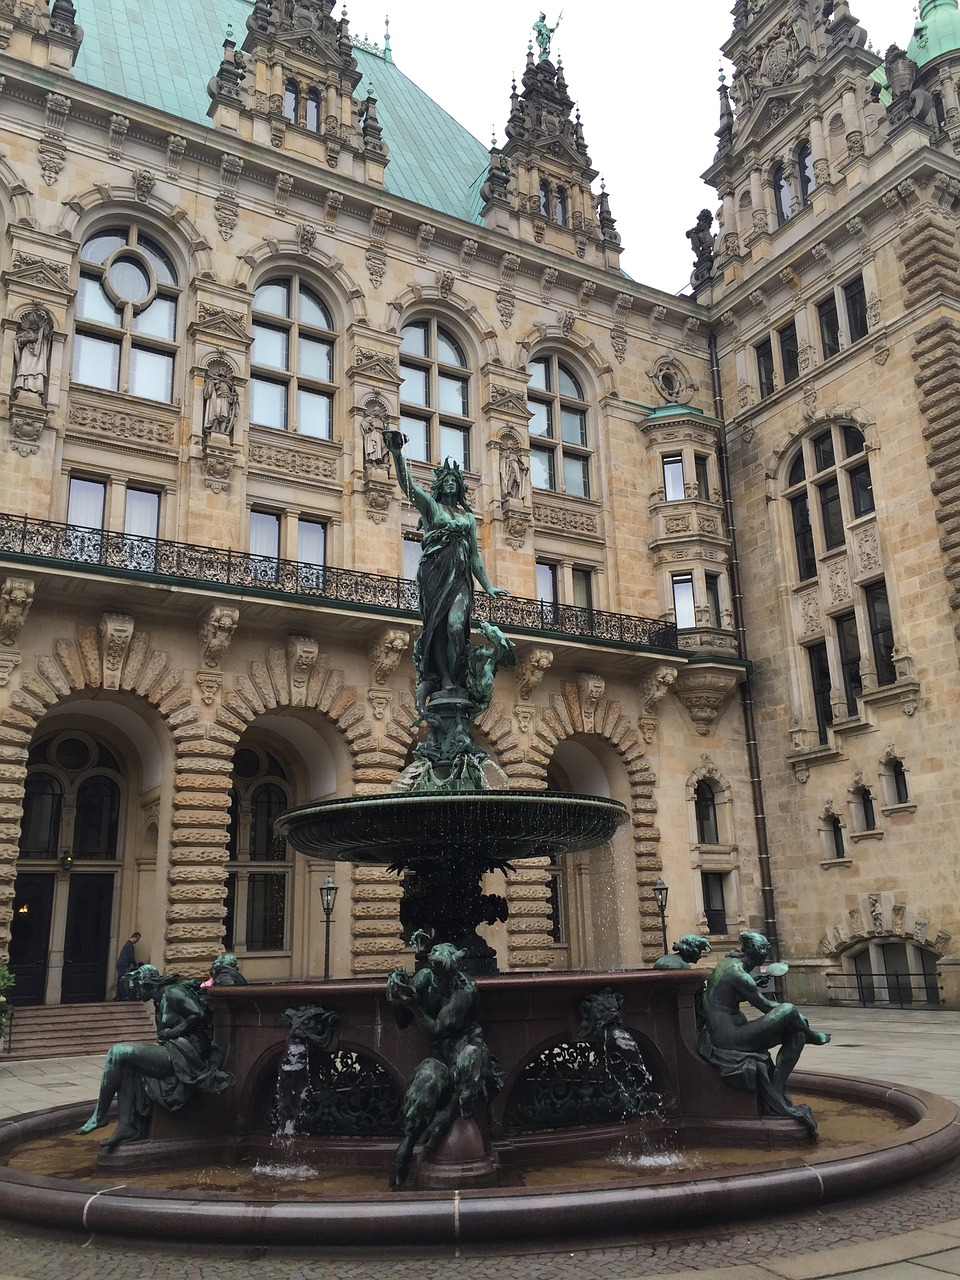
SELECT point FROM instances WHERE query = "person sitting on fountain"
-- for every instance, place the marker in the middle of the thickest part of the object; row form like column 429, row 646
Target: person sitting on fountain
column 689, row 949
column 463, row 1072
column 738, row 1048
column 448, row 566
column 184, row 1062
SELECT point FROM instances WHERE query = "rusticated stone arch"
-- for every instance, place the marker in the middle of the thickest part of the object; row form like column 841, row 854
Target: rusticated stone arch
column 280, row 255
column 565, row 717
column 171, row 220
column 116, row 656
column 456, row 305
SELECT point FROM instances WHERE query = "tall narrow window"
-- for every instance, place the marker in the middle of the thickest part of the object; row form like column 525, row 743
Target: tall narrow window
column 764, row 351
column 820, row 682
column 264, row 545
column 412, row 554
column 312, row 119
column 126, row 330
column 85, row 508
column 291, row 102
column 782, row 195
column 311, row 554
column 683, row 606
column 711, row 582
column 856, row 303
column 435, row 403
column 803, row 537
column 673, row 489
column 808, row 177
column 547, row 592
column 702, row 471
column 705, row 809
column 829, row 322
column 835, row 830
column 559, row 453
column 881, row 631
column 714, row 906
column 40, row 828
column 291, row 382
column 141, row 526
column 789, row 352
column 831, row 513
column 560, row 208
column 848, row 643
column 544, row 198
column 258, row 897
column 583, row 588
column 899, row 776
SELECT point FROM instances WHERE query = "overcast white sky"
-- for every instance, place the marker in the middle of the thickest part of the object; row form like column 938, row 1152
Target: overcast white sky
column 644, row 75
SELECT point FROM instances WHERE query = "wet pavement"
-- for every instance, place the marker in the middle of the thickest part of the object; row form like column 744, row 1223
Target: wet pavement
column 911, row 1232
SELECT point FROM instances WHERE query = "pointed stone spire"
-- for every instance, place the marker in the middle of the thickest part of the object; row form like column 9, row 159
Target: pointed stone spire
column 725, row 132
column 387, row 51
column 372, row 132
column 225, row 85
column 608, row 224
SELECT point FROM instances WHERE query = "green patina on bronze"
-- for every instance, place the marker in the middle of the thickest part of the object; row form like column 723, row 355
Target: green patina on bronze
column 454, row 678
column 688, row 950
column 739, row 1048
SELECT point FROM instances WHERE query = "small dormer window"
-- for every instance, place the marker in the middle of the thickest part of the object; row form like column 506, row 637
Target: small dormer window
column 291, row 102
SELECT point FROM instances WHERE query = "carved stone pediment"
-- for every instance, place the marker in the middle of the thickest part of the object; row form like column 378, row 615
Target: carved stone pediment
column 375, row 366
column 771, row 109
column 220, row 322
column 39, row 273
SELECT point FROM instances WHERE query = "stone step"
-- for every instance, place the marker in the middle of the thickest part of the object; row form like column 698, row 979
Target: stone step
column 63, row 1030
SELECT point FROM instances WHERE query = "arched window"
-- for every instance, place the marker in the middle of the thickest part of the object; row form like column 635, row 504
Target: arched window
column 291, row 102
column 545, row 198
column 782, row 195
column 705, row 808
column 560, row 458
column 40, row 829
column 435, row 396
column 808, row 179
column 257, row 899
column 560, row 207
column 312, row 120
column 292, row 369
column 126, row 326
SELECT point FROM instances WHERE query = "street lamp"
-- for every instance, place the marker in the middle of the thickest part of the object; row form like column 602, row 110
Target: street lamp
column 660, row 892
column 328, row 896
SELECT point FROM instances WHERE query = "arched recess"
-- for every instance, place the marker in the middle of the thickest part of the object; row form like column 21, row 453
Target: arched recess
column 171, row 220
column 583, row 711
column 289, row 686
column 286, row 255
column 443, row 304
column 122, row 664
column 575, row 347
column 857, row 940
column 16, row 196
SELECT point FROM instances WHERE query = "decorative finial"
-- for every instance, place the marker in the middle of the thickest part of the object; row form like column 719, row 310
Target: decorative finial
column 387, row 54
column 228, row 38
column 722, row 76
column 493, row 135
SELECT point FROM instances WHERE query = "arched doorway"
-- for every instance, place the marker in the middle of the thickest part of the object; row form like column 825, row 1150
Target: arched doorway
column 67, row 870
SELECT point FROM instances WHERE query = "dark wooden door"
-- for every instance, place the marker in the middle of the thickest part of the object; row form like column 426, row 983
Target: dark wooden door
column 86, row 943
column 30, row 936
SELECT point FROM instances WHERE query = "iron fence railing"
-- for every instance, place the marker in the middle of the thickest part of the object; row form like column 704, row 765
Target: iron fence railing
column 895, row 990
column 216, row 566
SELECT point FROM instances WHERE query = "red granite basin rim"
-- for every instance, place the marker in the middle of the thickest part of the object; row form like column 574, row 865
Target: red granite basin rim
column 495, row 825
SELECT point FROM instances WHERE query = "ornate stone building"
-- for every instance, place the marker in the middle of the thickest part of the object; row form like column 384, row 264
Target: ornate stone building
column 225, row 269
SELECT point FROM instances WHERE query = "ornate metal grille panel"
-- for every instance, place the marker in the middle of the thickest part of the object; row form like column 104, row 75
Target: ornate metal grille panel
column 567, row 1085
column 347, row 1094
column 218, row 567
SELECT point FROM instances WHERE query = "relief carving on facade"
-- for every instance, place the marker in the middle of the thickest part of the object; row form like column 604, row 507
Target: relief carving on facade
column 386, row 652
column 703, row 694
column 302, row 655
column 868, row 549
column 116, row 633
column 118, row 425
column 293, row 462
column 590, row 689
column 839, row 581
column 531, row 669
column 562, row 518
column 811, row 621
column 16, row 597
column 217, row 627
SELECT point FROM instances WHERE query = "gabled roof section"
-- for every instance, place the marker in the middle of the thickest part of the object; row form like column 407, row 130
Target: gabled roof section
column 161, row 53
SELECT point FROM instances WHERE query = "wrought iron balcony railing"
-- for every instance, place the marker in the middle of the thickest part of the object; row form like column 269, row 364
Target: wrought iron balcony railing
column 147, row 558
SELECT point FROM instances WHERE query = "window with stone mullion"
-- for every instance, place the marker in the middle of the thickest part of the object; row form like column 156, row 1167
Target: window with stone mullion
column 292, row 359
column 559, row 441
column 126, row 328
column 435, row 408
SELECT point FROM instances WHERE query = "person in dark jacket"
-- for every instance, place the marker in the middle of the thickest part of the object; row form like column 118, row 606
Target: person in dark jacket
column 126, row 960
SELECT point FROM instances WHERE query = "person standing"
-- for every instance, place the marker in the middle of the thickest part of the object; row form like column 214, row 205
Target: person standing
column 126, row 961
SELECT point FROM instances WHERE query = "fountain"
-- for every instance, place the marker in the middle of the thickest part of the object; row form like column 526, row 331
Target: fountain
column 518, row 1104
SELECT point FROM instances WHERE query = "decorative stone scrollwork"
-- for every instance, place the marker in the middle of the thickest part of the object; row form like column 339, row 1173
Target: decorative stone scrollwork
column 703, row 693
column 531, row 669
column 16, row 597
column 116, row 632
column 386, row 652
column 216, row 631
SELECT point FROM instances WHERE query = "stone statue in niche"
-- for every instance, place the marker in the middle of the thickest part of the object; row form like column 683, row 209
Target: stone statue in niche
column 221, row 401
column 739, row 1049
column 372, row 426
column 513, row 474
column 32, row 346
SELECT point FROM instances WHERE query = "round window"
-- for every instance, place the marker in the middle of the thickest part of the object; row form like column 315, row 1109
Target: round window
column 72, row 754
column 246, row 763
column 129, row 279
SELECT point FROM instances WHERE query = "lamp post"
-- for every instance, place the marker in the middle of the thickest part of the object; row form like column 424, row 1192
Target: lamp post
column 660, row 892
column 328, row 896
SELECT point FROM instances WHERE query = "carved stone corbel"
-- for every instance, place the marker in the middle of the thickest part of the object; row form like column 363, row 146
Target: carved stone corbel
column 386, row 652
column 116, row 632
column 531, row 669
column 703, row 693
column 216, row 631
column 302, row 654
column 590, row 689
column 16, row 597
column 26, row 425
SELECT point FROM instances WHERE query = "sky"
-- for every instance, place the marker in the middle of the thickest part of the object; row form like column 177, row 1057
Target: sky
column 645, row 83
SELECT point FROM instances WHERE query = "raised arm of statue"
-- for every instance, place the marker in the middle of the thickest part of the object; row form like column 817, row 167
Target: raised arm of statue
column 395, row 440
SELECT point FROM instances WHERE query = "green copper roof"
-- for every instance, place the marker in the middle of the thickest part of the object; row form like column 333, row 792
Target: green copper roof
column 161, row 53
column 937, row 31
